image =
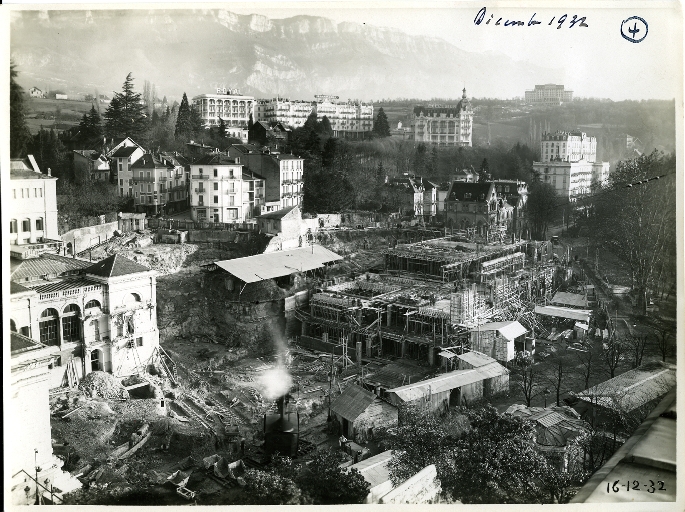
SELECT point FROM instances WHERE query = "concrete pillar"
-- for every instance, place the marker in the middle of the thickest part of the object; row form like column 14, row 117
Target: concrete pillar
column 358, row 351
column 431, row 356
column 388, row 315
column 304, row 328
column 368, row 346
column 404, row 348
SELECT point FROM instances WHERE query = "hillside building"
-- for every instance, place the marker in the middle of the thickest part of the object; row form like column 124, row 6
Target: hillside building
column 282, row 173
column 159, row 184
column 444, row 125
column 227, row 104
column 32, row 208
column 223, row 190
column 548, row 94
column 568, row 162
column 282, row 110
column 476, row 205
column 123, row 155
column 35, row 92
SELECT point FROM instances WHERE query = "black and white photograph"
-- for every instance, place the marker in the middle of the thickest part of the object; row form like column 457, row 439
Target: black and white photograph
column 342, row 253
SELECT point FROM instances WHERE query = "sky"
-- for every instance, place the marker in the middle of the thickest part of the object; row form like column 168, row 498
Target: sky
column 597, row 60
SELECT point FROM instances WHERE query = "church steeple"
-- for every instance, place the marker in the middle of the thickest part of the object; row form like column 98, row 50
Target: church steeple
column 463, row 93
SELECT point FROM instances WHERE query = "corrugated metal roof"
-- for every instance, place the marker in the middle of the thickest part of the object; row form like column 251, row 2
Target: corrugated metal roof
column 353, row 402
column 46, row 264
column 375, row 470
column 448, row 381
column 252, row 269
column 573, row 314
column 476, row 359
column 66, row 284
column 633, row 388
column 510, row 330
column 570, row 299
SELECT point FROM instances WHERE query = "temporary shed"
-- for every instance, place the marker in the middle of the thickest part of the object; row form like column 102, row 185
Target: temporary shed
column 574, row 300
column 252, row 269
column 376, row 471
column 580, row 315
column 499, row 340
column 453, row 388
column 360, row 412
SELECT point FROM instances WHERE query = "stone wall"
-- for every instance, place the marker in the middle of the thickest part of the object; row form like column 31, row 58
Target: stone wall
column 84, row 238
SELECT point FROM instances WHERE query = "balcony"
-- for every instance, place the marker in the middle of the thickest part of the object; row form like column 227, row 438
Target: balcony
column 179, row 176
column 143, row 179
column 162, row 179
column 177, row 188
column 200, row 190
column 200, row 176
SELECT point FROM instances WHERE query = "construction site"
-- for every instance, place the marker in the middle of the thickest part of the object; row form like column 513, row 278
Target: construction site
column 385, row 319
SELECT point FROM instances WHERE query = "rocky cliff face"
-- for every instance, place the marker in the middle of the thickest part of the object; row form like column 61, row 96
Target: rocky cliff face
column 196, row 51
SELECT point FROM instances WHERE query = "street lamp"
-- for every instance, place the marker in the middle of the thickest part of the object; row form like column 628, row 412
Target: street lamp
column 38, row 470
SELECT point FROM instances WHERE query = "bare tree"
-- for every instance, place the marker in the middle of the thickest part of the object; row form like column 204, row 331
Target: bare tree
column 662, row 335
column 530, row 381
column 635, row 345
column 588, row 364
column 556, row 373
column 612, row 355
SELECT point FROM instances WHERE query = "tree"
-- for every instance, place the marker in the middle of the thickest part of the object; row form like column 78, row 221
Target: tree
column 325, row 127
column 541, row 208
column 268, row 488
column 494, row 461
column 91, row 126
column 195, row 120
column 587, row 365
column 529, row 382
column 557, row 373
column 19, row 131
column 327, row 484
column 613, row 353
column 381, row 127
column 420, row 159
column 125, row 116
column 635, row 346
column 636, row 221
column 562, row 472
column 183, row 125
column 484, row 171
column 663, row 334
column 222, row 128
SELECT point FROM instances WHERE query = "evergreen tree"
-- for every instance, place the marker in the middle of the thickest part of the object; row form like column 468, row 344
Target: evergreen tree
column 250, row 123
column 125, row 116
column 484, row 171
column 90, row 127
column 196, row 124
column 325, row 127
column 183, row 128
column 222, row 128
column 381, row 127
column 19, row 131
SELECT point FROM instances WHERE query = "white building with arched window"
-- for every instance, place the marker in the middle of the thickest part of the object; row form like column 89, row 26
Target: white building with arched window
column 231, row 106
column 101, row 316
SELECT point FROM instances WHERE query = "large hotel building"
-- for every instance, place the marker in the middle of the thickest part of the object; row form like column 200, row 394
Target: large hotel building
column 348, row 119
column 569, row 163
column 227, row 104
column 444, row 125
column 549, row 94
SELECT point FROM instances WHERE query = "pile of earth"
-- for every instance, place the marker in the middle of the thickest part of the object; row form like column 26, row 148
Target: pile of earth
column 104, row 385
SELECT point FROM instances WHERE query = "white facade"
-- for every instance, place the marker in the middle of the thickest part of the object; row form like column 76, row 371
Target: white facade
column 220, row 191
column 568, row 147
column 292, row 113
column 32, row 210
column 444, row 125
column 229, row 105
column 123, row 156
column 350, row 120
column 548, row 94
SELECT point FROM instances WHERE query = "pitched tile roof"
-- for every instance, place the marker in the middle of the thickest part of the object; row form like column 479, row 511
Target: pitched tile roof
column 20, row 343
column 459, row 189
column 17, row 288
column 116, row 265
column 215, row 158
column 125, row 151
column 149, row 161
column 353, row 402
column 65, row 284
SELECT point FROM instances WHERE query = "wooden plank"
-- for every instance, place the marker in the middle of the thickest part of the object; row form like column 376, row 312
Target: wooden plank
column 136, row 447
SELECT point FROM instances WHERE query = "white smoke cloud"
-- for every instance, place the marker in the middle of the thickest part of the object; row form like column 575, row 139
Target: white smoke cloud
column 274, row 383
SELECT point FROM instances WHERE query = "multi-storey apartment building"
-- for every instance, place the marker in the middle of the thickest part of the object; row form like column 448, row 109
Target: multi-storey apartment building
column 122, row 157
column 568, row 162
column 227, row 104
column 548, row 94
column 444, row 125
column 221, row 190
column 476, row 205
column 282, row 173
column 32, row 209
column 159, row 184
column 353, row 120
column 282, row 110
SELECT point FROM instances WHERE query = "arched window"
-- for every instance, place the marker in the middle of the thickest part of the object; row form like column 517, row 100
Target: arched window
column 93, row 304
column 131, row 298
column 49, row 325
column 71, row 324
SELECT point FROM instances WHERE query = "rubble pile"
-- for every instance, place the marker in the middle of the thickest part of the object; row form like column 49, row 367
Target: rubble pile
column 103, row 385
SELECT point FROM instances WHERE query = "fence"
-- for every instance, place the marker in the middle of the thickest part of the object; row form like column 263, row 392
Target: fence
column 186, row 225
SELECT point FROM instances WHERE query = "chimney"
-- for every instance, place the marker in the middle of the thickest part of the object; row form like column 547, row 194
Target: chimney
column 281, row 406
column 49, row 172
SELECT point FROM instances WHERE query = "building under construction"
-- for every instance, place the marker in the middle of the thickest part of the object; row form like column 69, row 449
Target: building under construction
column 429, row 299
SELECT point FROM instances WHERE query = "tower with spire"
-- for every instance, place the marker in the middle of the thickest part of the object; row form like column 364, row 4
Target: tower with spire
column 444, row 125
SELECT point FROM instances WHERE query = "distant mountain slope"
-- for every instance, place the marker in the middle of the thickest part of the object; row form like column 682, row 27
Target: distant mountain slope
column 194, row 51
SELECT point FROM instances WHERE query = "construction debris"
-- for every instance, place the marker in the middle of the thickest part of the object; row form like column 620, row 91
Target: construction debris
column 104, row 385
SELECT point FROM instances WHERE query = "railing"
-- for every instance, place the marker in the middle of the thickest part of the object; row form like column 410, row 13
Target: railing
column 179, row 176
column 163, row 179
column 201, row 190
column 200, row 176
column 177, row 187
column 51, row 491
